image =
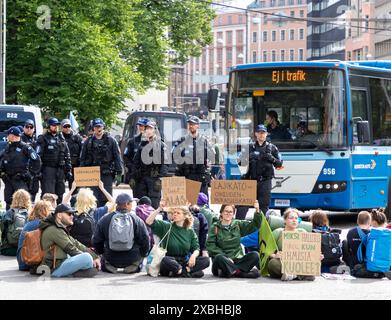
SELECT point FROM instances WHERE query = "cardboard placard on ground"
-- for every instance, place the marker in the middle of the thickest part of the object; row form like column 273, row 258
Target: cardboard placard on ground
column 238, row 192
column 177, row 191
column 301, row 253
column 87, row 176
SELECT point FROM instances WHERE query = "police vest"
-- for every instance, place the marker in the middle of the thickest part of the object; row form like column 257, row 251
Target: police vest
column 54, row 149
column 15, row 158
column 74, row 146
column 100, row 151
column 259, row 168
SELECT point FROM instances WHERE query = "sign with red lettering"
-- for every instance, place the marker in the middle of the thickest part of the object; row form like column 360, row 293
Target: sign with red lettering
column 238, row 192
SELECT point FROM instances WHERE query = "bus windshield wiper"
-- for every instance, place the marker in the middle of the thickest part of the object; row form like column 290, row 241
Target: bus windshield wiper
column 318, row 146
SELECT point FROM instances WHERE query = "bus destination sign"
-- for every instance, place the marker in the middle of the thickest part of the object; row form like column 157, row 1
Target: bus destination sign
column 279, row 76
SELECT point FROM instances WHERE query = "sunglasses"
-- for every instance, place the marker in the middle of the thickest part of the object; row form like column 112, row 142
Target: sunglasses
column 69, row 213
column 66, row 126
column 29, row 127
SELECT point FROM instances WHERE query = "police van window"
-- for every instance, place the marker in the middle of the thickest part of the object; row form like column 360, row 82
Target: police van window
column 12, row 118
column 172, row 129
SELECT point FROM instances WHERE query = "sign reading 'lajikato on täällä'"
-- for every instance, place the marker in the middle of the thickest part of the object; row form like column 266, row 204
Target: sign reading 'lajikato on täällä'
column 238, row 192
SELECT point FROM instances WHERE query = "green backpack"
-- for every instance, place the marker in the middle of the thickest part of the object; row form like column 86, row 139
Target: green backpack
column 16, row 219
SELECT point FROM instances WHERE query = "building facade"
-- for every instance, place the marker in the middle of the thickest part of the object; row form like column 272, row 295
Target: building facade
column 383, row 38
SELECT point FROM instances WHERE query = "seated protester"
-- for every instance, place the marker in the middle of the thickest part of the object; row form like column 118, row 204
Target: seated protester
column 203, row 204
column 52, row 198
column 64, row 255
column 143, row 211
column 41, row 210
column 122, row 238
column 13, row 221
column 378, row 219
column 87, row 214
column 228, row 258
column 291, row 218
column 200, row 227
column 331, row 243
column 182, row 258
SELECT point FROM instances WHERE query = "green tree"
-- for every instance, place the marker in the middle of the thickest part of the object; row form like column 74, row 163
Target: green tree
column 94, row 53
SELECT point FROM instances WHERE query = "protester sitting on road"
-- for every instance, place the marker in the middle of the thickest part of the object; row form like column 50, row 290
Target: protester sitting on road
column 378, row 218
column 203, row 204
column 52, row 198
column 143, row 210
column 224, row 246
column 291, row 219
column 64, row 255
column 41, row 210
column 13, row 221
column 122, row 238
column 182, row 258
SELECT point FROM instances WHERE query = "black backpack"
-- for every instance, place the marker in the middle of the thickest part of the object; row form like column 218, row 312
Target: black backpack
column 331, row 248
column 83, row 228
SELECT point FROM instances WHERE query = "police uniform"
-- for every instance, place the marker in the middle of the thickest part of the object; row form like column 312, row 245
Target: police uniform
column 262, row 161
column 30, row 140
column 147, row 174
column 19, row 164
column 74, row 142
column 192, row 156
column 130, row 151
column 104, row 153
column 56, row 161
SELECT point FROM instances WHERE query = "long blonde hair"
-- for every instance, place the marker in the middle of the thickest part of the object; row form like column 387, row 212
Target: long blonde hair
column 85, row 201
column 40, row 211
column 188, row 223
column 21, row 199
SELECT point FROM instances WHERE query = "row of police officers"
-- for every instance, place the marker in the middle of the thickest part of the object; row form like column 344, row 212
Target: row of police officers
column 52, row 157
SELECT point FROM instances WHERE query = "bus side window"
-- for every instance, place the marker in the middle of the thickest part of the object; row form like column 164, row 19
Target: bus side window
column 360, row 110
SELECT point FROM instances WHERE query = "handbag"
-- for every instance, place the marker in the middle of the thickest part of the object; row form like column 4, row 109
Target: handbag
column 156, row 256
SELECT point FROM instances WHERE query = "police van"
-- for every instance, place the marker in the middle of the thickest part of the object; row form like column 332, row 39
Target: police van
column 16, row 115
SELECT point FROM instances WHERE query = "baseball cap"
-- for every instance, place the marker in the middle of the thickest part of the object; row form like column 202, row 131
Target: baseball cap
column 53, row 122
column 142, row 121
column 64, row 208
column 15, row 131
column 194, row 119
column 260, row 128
column 151, row 124
column 145, row 200
column 124, row 198
column 29, row 122
column 98, row 123
column 65, row 121
column 202, row 199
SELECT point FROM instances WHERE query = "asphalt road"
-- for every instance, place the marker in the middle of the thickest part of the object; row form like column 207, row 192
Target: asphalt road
column 15, row 284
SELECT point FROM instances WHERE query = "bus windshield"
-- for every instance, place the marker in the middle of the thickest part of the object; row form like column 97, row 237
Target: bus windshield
column 303, row 108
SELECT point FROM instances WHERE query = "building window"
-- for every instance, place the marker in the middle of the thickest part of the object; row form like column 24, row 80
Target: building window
column 301, row 34
column 254, row 37
column 281, row 3
column 301, row 13
column 262, row 4
column 282, row 55
column 229, row 55
column 299, row 1
column 291, row 34
column 229, row 19
column 301, row 55
column 220, row 21
column 282, row 35
column 292, row 14
column 291, row 55
column 366, row 23
column 265, row 36
column 273, row 55
column 291, row 2
column 349, row 55
column 254, row 56
column 273, row 35
column 264, row 56
column 240, row 19
column 272, row 3
column 239, row 36
column 229, row 37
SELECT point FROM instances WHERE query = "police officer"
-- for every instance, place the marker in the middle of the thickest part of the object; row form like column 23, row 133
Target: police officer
column 19, row 164
column 194, row 154
column 150, row 164
column 130, row 151
column 28, row 136
column 56, row 160
column 74, row 142
column 263, row 158
column 102, row 150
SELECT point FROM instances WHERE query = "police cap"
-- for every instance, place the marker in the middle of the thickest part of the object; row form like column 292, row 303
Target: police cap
column 98, row 123
column 53, row 122
column 260, row 128
column 15, row 131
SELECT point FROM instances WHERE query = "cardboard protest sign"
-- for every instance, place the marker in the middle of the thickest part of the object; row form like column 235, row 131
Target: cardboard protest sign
column 238, row 192
column 87, row 176
column 177, row 191
column 301, row 253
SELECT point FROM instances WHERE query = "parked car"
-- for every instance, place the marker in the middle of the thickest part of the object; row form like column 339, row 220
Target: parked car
column 16, row 115
column 171, row 126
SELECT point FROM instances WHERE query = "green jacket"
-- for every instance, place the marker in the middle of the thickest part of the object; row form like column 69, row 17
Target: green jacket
column 226, row 240
column 56, row 234
column 211, row 216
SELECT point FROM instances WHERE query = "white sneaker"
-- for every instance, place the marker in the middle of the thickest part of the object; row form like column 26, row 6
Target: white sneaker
column 288, row 277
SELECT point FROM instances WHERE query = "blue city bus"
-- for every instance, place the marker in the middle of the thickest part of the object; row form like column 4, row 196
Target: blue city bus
column 337, row 155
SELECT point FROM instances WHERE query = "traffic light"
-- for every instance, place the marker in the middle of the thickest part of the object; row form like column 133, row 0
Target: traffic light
column 213, row 96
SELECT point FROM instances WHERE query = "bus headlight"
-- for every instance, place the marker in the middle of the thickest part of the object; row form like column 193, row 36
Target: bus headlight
column 329, row 186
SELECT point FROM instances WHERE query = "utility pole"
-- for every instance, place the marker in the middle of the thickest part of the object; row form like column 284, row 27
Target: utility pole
column 3, row 31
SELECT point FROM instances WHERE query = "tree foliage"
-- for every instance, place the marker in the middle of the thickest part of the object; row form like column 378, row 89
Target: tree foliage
column 95, row 52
